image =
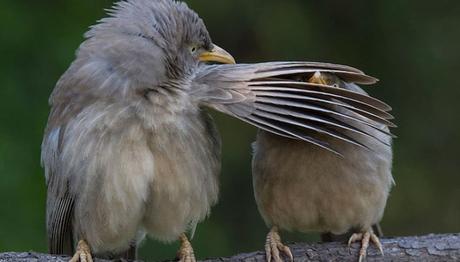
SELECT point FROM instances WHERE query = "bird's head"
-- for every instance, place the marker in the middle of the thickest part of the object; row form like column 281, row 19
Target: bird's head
column 147, row 42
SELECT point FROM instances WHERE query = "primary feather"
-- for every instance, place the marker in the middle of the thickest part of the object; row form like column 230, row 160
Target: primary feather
column 274, row 97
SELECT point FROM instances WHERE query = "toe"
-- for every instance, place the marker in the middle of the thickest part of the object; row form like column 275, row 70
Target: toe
column 268, row 252
column 274, row 246
column 75, row 257
column 89, row 257
column 275, row 253
column 355, row 237
column 376, row 241
column 287, row 251
column 364, row 246
column 83, row 253
column 365, row 238
column 185, row 253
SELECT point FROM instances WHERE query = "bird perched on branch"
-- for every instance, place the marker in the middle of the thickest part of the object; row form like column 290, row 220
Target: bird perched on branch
column 302, row 187
column 128, row 149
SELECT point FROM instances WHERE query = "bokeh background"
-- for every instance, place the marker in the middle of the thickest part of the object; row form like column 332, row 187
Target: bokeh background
column 412, row 46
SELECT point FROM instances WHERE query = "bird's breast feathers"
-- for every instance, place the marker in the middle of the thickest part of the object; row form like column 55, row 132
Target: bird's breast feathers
column 141, row 169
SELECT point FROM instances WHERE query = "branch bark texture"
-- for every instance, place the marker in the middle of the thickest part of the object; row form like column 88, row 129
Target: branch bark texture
column 445, row 247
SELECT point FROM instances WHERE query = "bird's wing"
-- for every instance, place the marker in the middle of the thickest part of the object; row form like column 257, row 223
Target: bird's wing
column 59, row 222
column 59, row 202
column 276, row 97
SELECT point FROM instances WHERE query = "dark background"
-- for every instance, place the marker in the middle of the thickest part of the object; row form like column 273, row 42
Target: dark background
column 412, row 46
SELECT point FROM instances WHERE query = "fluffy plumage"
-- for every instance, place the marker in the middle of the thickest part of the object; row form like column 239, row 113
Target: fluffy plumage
column 121, row 119
column 128, row 149
column 300, row 187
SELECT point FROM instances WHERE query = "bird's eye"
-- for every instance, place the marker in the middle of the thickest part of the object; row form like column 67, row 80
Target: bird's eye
column 335, row 85
column 193, row 49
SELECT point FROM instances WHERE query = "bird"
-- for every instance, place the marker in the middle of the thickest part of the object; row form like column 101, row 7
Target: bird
column 301, row 187
column 129, row 148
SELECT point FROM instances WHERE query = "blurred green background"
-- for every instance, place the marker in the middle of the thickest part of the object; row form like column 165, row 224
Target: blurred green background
column 412, row 46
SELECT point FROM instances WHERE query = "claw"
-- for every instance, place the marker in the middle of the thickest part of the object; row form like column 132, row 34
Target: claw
column 286, row 250
column 185, row 253
column 83, row 253
column 355, row 237
column 375, row 239
column 273, row 246
column 365, row 238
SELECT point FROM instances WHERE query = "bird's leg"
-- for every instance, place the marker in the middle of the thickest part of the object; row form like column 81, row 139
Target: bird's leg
column 273, row 246
column 365, row 237
column 318, row 78
column 185, row 253
column 83, row 253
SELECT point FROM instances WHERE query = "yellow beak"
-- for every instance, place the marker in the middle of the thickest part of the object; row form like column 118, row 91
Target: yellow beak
column 217, row 55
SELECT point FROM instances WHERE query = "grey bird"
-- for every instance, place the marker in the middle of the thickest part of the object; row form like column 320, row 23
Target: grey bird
column 302, row 187
column 129, row 150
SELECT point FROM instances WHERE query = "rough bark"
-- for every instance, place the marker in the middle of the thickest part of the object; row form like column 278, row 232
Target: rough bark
column 444, row 247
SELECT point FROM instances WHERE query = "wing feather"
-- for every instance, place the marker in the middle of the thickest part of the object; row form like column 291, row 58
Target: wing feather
column 59, row 222
column 269, row 96
column 309, row 126
column 377, row 115
column 329, row 121
column 318, row 89
column 288, row 132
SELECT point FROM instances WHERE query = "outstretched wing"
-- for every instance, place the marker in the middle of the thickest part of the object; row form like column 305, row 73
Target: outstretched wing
column 276, row 97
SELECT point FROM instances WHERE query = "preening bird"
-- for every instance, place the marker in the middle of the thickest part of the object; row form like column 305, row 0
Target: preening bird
column 128, row 149
column 302, row 187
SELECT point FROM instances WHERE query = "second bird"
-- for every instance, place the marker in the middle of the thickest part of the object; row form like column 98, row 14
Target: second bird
column 301, row 187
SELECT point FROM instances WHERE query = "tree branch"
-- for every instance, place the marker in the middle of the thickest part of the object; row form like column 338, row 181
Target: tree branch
column 444, row 247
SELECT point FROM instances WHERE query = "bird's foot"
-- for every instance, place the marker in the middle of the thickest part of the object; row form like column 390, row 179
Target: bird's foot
column 365, row 238
column 83, row 253
column 185, row 253
column 273, row 247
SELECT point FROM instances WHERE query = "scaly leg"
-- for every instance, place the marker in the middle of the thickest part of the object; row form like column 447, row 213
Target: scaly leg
column 273, row 246
column 83, row 253
column 365, row 237
column 185, row 253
